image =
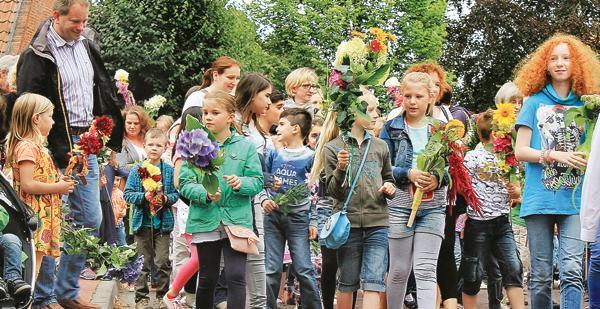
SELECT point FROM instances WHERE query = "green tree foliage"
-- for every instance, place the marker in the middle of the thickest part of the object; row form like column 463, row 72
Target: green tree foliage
column 488, row 40
column 306, row 33
column 165, row 45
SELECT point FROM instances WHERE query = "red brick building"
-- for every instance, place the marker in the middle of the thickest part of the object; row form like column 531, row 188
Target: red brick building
column 19, row 20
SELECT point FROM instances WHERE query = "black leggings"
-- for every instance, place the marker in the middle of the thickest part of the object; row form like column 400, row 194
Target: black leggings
column 447, row 274
column 209, row 258
column 329, row 277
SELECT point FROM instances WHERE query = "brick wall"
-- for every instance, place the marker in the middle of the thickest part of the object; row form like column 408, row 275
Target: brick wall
column 30, row 15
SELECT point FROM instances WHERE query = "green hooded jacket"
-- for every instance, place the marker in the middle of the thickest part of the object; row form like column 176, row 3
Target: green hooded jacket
column 234, row 207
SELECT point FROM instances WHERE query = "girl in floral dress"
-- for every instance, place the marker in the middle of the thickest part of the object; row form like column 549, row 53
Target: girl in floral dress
column 36, row 179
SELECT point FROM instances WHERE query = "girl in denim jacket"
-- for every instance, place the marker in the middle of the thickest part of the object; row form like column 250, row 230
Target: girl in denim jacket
column 417, row 246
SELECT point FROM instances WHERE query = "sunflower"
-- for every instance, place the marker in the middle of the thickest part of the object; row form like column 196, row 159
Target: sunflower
column 505, row 117
column 457, row 127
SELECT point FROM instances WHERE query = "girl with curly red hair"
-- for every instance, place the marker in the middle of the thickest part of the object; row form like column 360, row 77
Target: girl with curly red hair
column 554, row 76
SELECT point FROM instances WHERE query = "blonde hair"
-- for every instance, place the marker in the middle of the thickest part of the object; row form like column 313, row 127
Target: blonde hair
column 143, row 117
column 26, row 107
column 11, row 77
column 168, row 120
column 156, row 133
column 226, row 101
column 431, row 66
column 585, row 67
column 297, row 77
column 507, row 93
column 419, row 78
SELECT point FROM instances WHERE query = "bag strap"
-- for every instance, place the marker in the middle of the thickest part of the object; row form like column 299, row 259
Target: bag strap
column 362, row 163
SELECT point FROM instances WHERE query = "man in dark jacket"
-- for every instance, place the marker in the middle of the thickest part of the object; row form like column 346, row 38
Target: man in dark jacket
column 64, row 64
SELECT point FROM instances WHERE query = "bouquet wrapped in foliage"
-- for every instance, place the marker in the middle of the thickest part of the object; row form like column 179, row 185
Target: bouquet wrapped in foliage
column 152, row 183
column 92, row 142
column 122, row 83
column 503, row 124
column 199, row 147
column 362, row 60
column 154, row 104
column 118, row 262
column 444, row 143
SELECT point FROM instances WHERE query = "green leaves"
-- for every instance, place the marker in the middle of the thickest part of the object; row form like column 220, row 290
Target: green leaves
column 211, row 183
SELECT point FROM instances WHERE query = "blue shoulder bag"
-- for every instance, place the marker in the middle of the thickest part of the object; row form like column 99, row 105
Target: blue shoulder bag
column 336, row 230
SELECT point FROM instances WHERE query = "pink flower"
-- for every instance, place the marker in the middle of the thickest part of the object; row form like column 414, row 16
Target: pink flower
column 335, row 78
column 503, row 145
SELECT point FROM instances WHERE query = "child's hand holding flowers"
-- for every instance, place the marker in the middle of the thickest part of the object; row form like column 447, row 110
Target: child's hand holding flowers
column 423, row 180
column 214, row 197
column 343, row 158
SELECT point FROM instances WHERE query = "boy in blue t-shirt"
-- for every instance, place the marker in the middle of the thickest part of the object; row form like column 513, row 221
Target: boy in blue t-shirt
column 291, row 165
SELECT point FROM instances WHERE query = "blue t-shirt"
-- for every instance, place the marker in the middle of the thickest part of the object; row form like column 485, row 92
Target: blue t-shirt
column 292, row 166
column 418, row 139
column 544, row 114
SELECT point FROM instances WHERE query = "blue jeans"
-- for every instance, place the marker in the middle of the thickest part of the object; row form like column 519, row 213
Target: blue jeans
column 594, row 274
column 363, row 260
column 44, row 284
column 85, row 211
column 540, row 229
column 121, row 239
column 294, row 229
column 11, row 245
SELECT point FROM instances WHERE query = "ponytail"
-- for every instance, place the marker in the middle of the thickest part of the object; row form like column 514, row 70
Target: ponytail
column 207, row 78
column 220, row 65
column 329, row 132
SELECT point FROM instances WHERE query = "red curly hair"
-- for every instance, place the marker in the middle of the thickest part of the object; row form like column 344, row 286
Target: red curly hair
column 431, row 66
column 533, row 75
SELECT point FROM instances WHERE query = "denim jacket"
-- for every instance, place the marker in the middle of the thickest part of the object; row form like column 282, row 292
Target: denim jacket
column 395, row 135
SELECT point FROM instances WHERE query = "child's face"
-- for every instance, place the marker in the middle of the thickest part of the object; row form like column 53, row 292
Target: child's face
column 369, row 124
column 304, row 92
column 435, row 78
column 416, row 100
column 261, row 101
column 44, row 122
column 155, row 147
column 273, row 112
column 559, row 65
column 313, row 136
column 163, row 126
column 286, row 132
column 215, row 117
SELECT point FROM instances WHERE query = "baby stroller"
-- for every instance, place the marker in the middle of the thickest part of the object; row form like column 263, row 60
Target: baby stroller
column 22, row 223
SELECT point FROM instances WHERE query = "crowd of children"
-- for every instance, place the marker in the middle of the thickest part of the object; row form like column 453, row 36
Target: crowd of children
column 228, row 247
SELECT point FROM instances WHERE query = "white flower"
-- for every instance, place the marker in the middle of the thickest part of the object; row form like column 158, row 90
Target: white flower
column 355, row 49
column 122, row 76
column 392, row 82
column 155, row 103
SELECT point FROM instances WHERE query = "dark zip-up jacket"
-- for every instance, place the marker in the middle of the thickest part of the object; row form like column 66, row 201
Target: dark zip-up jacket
column 38, row 73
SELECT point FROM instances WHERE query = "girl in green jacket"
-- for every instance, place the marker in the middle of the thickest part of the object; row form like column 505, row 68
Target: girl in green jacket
column 240, row 178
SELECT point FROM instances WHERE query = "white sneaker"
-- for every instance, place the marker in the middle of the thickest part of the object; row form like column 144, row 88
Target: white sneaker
column 172, row 303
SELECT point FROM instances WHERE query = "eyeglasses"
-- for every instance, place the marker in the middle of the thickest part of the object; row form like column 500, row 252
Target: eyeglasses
column 309, row 86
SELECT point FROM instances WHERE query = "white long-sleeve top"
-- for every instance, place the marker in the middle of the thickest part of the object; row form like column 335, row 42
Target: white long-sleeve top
column 590, row 196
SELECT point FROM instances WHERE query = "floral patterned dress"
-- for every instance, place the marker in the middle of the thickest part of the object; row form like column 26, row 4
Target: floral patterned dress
column 47, row 207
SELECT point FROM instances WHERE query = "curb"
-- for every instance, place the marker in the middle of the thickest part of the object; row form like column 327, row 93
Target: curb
column 106, row 294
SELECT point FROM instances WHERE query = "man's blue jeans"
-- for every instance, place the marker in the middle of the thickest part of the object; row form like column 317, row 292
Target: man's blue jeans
column 594, row 274
column 294, row 229
column 11, row 246
column 540, row 229
column 85, row 211
column 44, row 294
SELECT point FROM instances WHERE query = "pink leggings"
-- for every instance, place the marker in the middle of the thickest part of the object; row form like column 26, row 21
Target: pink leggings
column 188, row 269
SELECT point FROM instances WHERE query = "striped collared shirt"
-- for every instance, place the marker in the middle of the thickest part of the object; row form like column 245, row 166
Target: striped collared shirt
column 77, row 77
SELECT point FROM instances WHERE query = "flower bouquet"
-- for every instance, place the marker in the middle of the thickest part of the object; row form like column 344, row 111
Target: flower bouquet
column 154, row 104
column 122, row 83
column 445, row 143
column 504, row 119
column 198, row 146
column 362, row 60
column 92, row 142
column 152, row 183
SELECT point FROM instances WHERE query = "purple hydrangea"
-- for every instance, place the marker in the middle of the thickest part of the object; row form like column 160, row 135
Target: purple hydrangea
column 128, row 274
column 196, row 147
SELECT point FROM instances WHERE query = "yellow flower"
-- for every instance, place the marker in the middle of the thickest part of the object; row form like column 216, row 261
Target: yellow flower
column 151, row 168
column 505, row 117
column 457, row 127
column 150, row 185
